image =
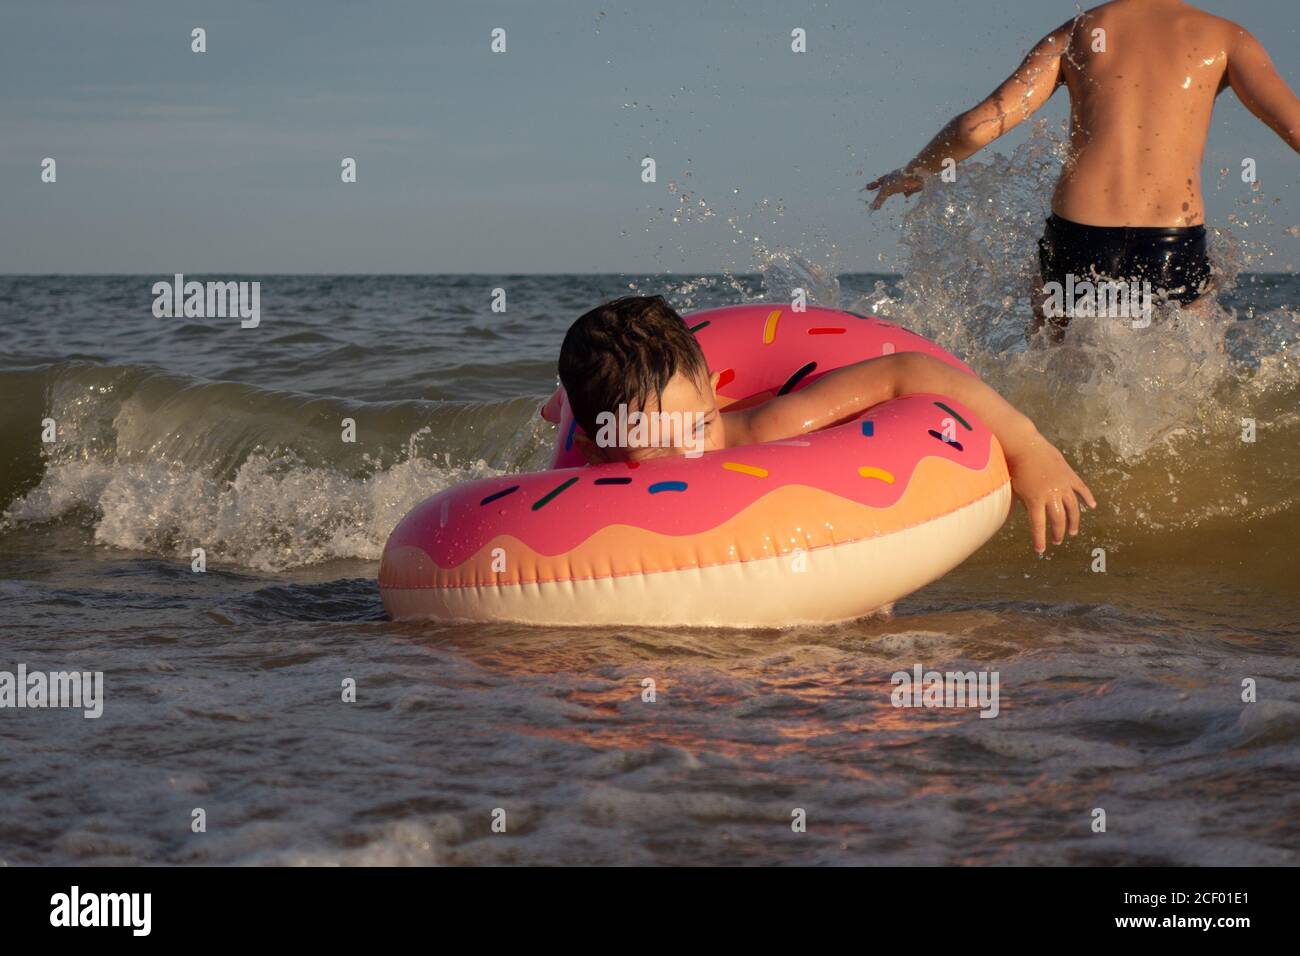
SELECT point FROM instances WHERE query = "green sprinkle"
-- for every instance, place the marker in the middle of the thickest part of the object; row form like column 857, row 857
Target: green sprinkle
column 964, row 424
column 546, row 499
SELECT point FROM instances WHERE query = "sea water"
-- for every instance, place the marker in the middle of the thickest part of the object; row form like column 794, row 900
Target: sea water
column 1149, row 668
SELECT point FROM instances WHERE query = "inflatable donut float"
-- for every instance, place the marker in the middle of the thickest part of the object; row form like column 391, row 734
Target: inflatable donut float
column 827, row 527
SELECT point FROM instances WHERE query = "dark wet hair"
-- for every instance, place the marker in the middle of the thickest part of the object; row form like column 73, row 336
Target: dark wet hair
column 623, row 353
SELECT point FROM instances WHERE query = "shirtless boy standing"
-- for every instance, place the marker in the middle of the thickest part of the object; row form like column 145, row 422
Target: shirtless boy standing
column 1143, row 76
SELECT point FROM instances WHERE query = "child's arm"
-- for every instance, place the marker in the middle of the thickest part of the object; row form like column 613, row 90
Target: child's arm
column 1027, row 89
column 1040, row 476
column 1262, row 90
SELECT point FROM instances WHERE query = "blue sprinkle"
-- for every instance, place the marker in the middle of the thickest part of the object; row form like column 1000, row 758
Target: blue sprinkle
column 659, row 486
column 868, row 429
column 568, row 440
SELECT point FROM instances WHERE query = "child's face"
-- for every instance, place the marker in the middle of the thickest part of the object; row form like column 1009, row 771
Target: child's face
column 686, row 421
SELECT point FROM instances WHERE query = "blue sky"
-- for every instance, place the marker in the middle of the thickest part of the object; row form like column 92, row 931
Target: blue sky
column 524, row 162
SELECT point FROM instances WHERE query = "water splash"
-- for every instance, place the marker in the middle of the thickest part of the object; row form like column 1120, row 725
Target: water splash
column 969, row 266
column 146, row 465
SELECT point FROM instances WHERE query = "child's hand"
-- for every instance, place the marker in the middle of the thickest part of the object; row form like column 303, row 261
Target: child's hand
column 899, row 181
column 1047, row 486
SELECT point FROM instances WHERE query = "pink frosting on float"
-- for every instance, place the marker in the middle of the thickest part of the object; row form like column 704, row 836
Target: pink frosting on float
column 453, row 526
column 618, row 542
column 756, row 355
column 759, row 349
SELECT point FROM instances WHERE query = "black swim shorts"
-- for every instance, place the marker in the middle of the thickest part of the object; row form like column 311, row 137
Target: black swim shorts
column 1173, row 259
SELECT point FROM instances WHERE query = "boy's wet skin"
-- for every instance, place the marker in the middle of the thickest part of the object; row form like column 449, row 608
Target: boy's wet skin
column 1143, row 77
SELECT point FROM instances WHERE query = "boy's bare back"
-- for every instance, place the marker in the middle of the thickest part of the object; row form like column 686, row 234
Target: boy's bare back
column 1142, row 76
column 1142, row 91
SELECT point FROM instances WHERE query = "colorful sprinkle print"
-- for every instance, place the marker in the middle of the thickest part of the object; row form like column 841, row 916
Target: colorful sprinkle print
column 726, row 377
column 499, row 494
column 745, row 469
column 796, row 378
column 964, row 424
column 769, row 327
column 878, row 473
column 659, row 486
column 845, row 483
column 947, row 441
column 546, row 498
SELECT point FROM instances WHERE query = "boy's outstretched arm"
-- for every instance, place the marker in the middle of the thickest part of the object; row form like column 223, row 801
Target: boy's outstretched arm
column 1020, row 95
column 1040, row 476
column 1262, row 90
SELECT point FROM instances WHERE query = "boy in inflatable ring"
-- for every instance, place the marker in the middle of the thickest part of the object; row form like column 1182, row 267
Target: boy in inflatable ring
column 636, row 353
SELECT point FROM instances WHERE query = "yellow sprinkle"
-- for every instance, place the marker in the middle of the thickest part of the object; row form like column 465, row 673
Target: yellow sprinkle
column 745, row 469
column 769, row 327
column 868, row 472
